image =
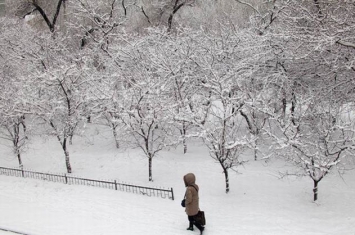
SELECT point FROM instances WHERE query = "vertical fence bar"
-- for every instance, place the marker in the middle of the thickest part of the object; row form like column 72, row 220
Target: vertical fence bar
column 172, row 194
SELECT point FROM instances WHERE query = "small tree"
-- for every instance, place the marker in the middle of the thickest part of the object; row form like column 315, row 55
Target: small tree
column 114, row 121
column 111, row 110
column 62, row 112
column 13, row 66
column 219, row 97
column 256, row 121
column 174, row 58
column 14, row 130
column 224, row 135
column 146, row 99
column 312, row 50
column 59, row 97
column 147, row 124
column 322, row 137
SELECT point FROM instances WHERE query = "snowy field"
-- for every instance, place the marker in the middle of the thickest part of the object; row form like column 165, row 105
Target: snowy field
column 259, row 203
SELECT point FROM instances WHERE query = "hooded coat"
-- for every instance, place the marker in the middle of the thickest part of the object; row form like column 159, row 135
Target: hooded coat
column 191, row 195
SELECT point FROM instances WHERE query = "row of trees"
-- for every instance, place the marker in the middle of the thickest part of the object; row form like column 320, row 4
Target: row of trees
column 285, row 77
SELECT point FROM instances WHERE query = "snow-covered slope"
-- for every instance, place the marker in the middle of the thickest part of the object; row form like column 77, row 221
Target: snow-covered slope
column 259, row 203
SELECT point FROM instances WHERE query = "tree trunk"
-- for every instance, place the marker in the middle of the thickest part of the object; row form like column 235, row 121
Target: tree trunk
column 226, row 177
column 67, row 162
column 16, row 140
column 185, row 145
column 315, row 190
column 183, row 132
column 71, row 140
column 256, row 150
column 115, row 136
column 150, row 159
column 177, row 6
column 247, row 119
column 284, row 107
column 67, row 159
column 50, row 24
column 293, row 104
column 19, row 160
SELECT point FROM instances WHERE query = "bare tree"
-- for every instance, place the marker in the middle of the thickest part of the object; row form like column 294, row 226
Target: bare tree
column 319, row 74
column 174, row 58
column 50, row 23
column 219, row 97
column 59, row 96
column 13, row 67
column 14, row 129
column 49, row 11
column 146, row 99
column 320, row 141
column 96, row 22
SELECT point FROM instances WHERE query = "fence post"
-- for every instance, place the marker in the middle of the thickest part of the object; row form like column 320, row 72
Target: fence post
column 115, row 185
column 23, row 173
column 172, row 194
column 66, row 178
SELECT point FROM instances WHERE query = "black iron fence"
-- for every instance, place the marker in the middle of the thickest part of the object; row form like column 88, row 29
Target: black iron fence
column 68, row 179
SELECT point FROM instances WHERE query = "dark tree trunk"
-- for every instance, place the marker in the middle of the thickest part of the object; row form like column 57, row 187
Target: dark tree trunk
column 226, row 176
column 183, row 133
column 256, row 150
column 66, row 152
column 284, row 107
column 293, row 104
column 150, row 159
column 19, row 160
column 250, row 125
column 64, row 147
column 115, row 136
column 293, row 107
column 185, row 145
column 315, row 190
column 177, row 6
column 16, row 140
column 67, row 162
column 50, row 24
column 71, row 139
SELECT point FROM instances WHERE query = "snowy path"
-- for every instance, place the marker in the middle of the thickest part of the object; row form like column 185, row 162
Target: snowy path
column 50, row 208
column 45, row 208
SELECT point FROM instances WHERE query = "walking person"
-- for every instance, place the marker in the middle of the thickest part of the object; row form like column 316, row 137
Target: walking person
column 192, row 201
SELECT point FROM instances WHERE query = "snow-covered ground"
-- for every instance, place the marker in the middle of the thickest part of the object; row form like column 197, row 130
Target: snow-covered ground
column 259, row 203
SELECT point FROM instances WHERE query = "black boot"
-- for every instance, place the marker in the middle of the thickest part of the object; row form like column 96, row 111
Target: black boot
column 200, row 227
column 201, row 230
column 191, row 227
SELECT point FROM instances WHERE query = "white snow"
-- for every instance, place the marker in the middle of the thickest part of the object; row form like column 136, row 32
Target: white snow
column 259, row 203
column 29, row 18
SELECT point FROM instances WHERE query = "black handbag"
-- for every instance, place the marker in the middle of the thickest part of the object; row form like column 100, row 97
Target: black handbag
column 200, row 218
column 183, row 202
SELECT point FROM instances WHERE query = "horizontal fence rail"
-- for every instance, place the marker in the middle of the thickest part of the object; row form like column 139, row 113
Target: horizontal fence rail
column 68, row 179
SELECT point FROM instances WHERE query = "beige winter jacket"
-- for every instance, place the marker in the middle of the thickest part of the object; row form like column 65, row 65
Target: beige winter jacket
column 192, row 199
